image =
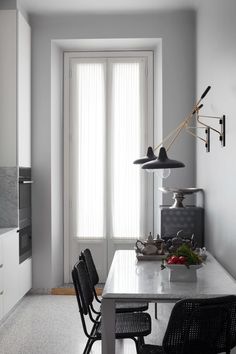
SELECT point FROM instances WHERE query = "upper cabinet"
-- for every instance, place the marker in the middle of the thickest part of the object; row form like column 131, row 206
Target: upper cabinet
column 15, row 90
column 24, row 93
column 8, row 81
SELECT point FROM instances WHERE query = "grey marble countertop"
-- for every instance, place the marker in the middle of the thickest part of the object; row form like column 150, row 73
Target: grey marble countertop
column 4, row 230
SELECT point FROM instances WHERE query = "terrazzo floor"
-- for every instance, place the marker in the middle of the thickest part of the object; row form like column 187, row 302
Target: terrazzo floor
column 47, row 324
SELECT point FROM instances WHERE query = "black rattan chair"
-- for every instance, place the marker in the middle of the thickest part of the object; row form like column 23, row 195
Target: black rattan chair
column 86, row 256
column 128, row 325
column 199, row 326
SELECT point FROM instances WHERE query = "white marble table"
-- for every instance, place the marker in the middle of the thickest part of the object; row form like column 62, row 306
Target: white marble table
column 129, row 279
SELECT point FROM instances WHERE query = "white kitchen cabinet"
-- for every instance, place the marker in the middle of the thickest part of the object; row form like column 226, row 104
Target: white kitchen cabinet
column 15, row 148
column 1, row 304
column 24, row 93
column 1, row 279
column 10, row 249
column 8, row 57
column 15, row 278
column 15, row 90
column 25, row 277
column 1, row 253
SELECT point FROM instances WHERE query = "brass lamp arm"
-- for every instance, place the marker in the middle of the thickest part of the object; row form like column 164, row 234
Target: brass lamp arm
column 183, row 125
column 195, row 135
column 175, row 133
column 168, row 136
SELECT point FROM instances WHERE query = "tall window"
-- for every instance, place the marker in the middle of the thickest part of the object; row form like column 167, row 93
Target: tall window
column 108, row 130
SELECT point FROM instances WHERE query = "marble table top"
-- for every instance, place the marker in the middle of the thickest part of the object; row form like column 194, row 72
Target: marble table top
column 129, row 278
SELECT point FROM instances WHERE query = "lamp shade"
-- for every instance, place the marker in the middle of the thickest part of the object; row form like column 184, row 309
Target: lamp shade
column 162, row 162
column 149, row 157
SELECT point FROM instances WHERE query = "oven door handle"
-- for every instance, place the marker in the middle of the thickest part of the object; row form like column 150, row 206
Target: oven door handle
column 26, row 182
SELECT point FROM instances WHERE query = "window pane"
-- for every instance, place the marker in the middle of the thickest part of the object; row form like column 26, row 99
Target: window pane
column 90, row 103
column 126, row 123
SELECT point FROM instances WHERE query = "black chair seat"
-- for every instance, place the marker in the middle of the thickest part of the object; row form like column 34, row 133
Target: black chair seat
column 152, row 349
column 136, row 324
column 131, row 306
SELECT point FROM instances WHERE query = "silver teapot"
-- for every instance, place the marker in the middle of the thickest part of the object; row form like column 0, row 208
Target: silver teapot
column 174, row 243
column 150, row 246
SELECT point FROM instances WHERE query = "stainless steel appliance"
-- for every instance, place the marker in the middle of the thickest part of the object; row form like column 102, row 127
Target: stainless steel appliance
column 25, row 222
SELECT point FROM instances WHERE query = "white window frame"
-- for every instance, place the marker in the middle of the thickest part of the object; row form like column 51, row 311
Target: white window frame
column 68, row 56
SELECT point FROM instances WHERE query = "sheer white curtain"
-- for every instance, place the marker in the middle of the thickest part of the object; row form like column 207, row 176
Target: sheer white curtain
column 88, row 149
column 108, row 107
column 127, row 114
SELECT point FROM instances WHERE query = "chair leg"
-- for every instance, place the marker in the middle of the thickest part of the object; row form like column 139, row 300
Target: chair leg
column 88, row 346
column 156, row 311
column 140, row 341
column 136, row 341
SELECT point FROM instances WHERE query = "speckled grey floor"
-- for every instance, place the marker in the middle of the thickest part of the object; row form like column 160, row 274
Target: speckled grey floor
column 46, row 324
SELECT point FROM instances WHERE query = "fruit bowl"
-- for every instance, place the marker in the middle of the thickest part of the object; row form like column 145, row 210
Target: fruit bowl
column 183, row 273
column 183, row 264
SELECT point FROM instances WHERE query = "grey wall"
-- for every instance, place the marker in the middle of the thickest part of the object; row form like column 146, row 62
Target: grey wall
column 216, row 171
column 56, row 165
column 8, row 4
column 177, row 30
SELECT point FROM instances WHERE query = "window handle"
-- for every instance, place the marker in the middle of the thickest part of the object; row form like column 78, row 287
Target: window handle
column 26, row 182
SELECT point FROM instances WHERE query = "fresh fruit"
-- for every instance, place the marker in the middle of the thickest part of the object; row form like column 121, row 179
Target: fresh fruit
column 172, row 260
column 182, row 260
column 176, row 260
column 184, row 255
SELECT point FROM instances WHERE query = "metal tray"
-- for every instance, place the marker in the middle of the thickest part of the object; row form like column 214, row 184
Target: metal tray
column 152, row 257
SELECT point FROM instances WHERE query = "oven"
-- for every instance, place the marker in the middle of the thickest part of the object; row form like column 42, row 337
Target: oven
column 25, row 223
column 25, row 183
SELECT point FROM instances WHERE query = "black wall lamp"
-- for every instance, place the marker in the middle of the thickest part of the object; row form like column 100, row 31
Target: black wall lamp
column 162, row 163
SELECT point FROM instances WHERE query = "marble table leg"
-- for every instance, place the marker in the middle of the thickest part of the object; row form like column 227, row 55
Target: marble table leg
column 108, row 326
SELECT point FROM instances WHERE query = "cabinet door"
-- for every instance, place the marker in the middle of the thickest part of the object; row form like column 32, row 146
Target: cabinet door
column 1, row 279
column 7, row 88
column 24, row 93
column 1, row 304
column 25, row 277
column 1, row 293
column 11, row 265
column 1, row 253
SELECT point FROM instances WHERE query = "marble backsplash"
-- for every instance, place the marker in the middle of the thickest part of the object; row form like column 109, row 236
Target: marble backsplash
column 8, row 197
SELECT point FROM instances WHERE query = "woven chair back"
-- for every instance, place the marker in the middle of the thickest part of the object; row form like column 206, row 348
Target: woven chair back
column 83, row 285
column 88, row 259
column 206, row 326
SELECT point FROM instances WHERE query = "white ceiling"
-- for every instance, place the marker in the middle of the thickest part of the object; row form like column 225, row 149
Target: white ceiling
column 104, row 6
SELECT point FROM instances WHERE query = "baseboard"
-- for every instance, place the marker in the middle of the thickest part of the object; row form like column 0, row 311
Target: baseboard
column 62, row 291
column 70, row 291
